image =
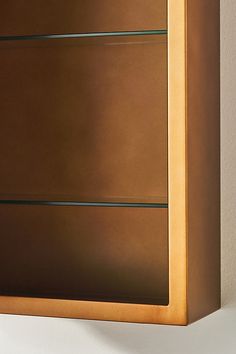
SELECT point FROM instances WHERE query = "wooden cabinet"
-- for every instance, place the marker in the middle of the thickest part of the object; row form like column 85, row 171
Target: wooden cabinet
column 109, row 159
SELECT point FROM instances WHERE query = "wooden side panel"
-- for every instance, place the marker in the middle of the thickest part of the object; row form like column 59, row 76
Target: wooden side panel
column 203, row 150
column 177, row 160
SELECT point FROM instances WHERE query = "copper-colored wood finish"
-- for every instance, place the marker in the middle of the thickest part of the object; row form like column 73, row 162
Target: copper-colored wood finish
column 84, row 119
column 26, row 17
column 85, row 253
column 193, row 182
column 203, row 156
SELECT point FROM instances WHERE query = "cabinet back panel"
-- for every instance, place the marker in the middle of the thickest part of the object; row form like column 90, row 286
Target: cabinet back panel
column 91, row 253
column 26, row 17
column 84, row 119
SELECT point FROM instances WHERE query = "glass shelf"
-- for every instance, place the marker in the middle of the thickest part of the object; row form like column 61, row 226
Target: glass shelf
column 83, row 204
column 83, row 35
column 84, row 119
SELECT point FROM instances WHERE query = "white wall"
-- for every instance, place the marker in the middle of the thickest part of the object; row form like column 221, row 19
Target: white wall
column 215, row 334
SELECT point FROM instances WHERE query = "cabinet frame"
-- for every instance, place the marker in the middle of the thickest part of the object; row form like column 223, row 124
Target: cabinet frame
column 183, row 306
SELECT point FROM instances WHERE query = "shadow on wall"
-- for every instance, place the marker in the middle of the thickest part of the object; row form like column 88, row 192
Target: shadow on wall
column 214, row 334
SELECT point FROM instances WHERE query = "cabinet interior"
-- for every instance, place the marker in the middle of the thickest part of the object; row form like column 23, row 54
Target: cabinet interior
column 84, row 156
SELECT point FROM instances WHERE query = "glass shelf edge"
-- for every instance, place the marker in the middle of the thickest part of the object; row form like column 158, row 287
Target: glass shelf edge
column 85, row 204
column 82, row 35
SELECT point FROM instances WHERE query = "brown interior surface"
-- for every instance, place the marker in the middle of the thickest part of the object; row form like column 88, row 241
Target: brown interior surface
column 203, row 83
column 91, row 253
column 84, row 119
column 26, row 17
